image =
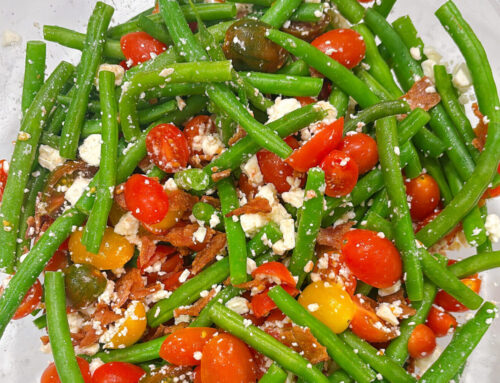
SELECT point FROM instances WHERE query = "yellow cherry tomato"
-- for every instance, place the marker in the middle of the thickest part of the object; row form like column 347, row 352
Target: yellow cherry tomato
column 329, row 303
column 114, row 252
column 171, row 218
column 129, row 329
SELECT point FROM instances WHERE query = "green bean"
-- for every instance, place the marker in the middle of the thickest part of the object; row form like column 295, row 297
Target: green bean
column 413, row 166
column 286, row 85
column 236, row 242
column 92, row 106
column 384, row 7
column 58, row 329
column 386, row 133
column 41, row 322
column 156, row 30
column 308, row 13
column 475, row 264
column 204, row 212
column 380, row 204
column 412, row 124
column 265, row 344
column 339, row 100
column 98, row 217
column 156, row 172
column 193, row 179
column 433, row 167
column 279, row 12
column 373, row 221
column 367, row 186
column 188, row 292
column 339, row 376
column 204, row 320
column 376, row 112
column 309, row 224
column 262, row 3
column 389, row 369
column 194, row 105
column 34, row 72
column 463, row 342
column 408, row 33
column 351, row 10
column 274, row 374
column 137, row 353
column 147, row 116
column 258, row 244
column 343, row 355
column 363, row 288
column 76, row 40
column 486, row 246
column 22, row 161
column 91, row 57
column 377, row 88
column 295, row 68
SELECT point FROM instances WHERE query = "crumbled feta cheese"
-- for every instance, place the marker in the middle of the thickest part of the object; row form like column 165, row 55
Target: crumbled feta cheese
column 95, row 364
column 415, row 53
column 197, row 355
column 330, row 110
column 10, row 38
column 423, row 364
column 117, row 70
column 238, row 304
column 166, row 72
column 108, row 294
column 287, row 227
column 184, row 275
column 428, row 68
column 251, row 265
column 384, row 311
column 118, row 326
column 432, row 54
column 209, row 144
column 390, row 290
column 313, row 307
column 170, row 185
column 49, row 158
column 281, row 107
column 75, row 322
column 158, row 296
column 461, row 77
column 90, row 150
column 492, row 226
column 214, row 220
column 76, row 190
column 182, row 319
column 128, row 225
column 294, row 197
column 200, row 234
column 252, row 171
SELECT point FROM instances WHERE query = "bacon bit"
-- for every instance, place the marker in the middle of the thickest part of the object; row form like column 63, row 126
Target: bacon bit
column 407, row 310
column 47, row 222
column 44, row 339
column 90, row 336
column 162, row 330
column 208, row 254
column 147, row 252
column 105, row 315
column 143, row 292
column 419, row 97
column 247, row 187
column 481, row 129
column 195, row 309
column 124, row 286
column 256, row 285
column 145, row 164
column 183, row 237
column 221, row 175
column 332, row 236
column 240, row 133
column 257, row 205
column 120, row 197
column 179, row 200
column 215, row 202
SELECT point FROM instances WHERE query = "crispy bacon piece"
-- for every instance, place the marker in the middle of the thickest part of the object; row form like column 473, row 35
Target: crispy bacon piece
column 183, row 236
column 481, row 129
column 332, row 236
column 179, row 200
column 247, row 187
column 255, row 285
column 406, row 310
column 208, row 254
column 257, row 205
column 422, row 94
column 221, row 175
column 119, row 196
column 162, row 330
column 132, row 286
column 215, row 202
column 240, row 133
column 148, row 249
column 195, row 309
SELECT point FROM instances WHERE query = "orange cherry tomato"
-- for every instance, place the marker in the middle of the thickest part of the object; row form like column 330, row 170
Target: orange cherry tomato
column 273, row 271
column 4, row 166
column 184, row 347
column 30, row 301
column 167, row 147
column 198, row 126
column 362, row 149
column 422, row 342
column 139, row 47
column 371, row 258
column 50, row 374
column 274, row 169
column 313, row 151
column 117, row 372
column 440, row 322
column 146, row 199
column 226, row 359
column 447, row 302
column 197, row 375
column 424, row 195
column 262, row 305
column 343, row 45
column 367, row 325
column 341, row 173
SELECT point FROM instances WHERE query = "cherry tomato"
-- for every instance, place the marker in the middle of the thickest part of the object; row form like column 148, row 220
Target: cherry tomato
column 58, row 261
column 128, row 331
column 273, row 271
column 4, row 166
column 362, row 149
column 262, row 305
column 422, row 342
column 226, row 359
column 184, row 347
column 313, row 151
column 341, row 173
column 424, row 195
column 139, row 47
column 167, row 147
column 329, row 303
column 343, row 45
column 371, row 258
column 117, row 372
column 197, row 375
column 274, row 169
column 146, row 199
column 447, row 302
column 367, row 325
column 50, row 374
column 440, row 322
column 30, row 301
column 334, row 269
column 198, row 126
column 305, row 100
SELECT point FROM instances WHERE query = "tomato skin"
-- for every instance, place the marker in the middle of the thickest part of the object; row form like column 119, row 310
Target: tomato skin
column 4, row 166
column 197, row 375
column 50, row 374
column 274, row 270
column 372, row 259
column 447, row 302
column 341, row 173
column 117, row 372
column 274, row 169
column 58, row 261
column 422, row 342
column 424, row 194
column 337, row 271
column 345, row 46
column 362, row 149
column 146, row 199
column 440, row 322
column 138, row 47
column 180, row 346
column 30, row 301
column 226, row 359
column 196, row 126
column 262, row 305
column 167, row 147
column 313, row 151
column 305, row 100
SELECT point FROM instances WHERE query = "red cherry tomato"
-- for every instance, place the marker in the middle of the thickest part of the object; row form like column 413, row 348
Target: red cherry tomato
column 422, row 342
column 182, row 347
column 371, row 258
column 274, row 270
column 341, row 173
column 274, row 169
column 343, row 45
column 117, row 372
column 305, row 100
column 58, row 261
column 197, row 375
column 424, row 195
column 3, row 176
column 262, row 305
column 139, row 47
column 447, row 302
column 30, row 301
column 337, row 271
column 198, row 126
column 167, row 147
column 50, row 374
column 440, row 322
column 146, row 199
column 313, row 151
column 362, row 149
column 226, row 359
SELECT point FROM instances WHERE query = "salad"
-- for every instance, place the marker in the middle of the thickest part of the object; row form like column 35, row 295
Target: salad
column 254, row 192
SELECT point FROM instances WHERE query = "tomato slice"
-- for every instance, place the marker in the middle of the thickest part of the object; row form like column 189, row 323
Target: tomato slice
column 313, row 151
column 4, row 169
column 440, row 321
column 50, row 374
column 184, row 347
column 118, row 372
column 262, row 304
column 30, row 301
column 138, row 47
column 146, row 199
column 422, row 342
column 341, row 173
column 167, row 147
column 362, row 149
column 274, row 271
column 345, row 46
